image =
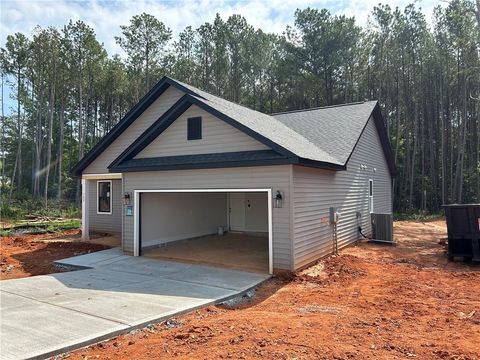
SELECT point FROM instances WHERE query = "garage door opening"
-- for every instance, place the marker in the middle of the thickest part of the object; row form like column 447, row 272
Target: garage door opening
column 225, row 227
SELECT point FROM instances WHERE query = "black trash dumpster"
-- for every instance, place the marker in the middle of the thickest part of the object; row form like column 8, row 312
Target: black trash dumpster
column 463, row 225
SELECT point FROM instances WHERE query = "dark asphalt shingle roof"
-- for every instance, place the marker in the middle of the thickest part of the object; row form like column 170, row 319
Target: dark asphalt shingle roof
column 335, row 129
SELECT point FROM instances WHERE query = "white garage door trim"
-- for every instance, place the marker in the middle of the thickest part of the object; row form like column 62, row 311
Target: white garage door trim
column 136, row 220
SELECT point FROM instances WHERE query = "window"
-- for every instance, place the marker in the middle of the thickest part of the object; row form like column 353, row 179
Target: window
column 194, row 131
column 104, row 197
column 370, row 195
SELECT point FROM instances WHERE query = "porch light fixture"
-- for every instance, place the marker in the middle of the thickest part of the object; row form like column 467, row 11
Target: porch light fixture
column 278, row 199
column 126, row 198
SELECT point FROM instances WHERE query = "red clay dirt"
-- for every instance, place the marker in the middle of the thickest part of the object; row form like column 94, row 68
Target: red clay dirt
column 370, row 302
column 29, row 255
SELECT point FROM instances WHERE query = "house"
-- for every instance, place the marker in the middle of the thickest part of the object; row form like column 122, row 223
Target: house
column 184, row 164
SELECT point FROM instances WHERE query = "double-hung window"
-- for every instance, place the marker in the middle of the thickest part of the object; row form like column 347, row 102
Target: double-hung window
column 104, row 197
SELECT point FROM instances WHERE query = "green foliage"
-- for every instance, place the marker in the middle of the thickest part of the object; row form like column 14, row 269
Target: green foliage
column 144, row 41
column 9, row 212
column 19, row 209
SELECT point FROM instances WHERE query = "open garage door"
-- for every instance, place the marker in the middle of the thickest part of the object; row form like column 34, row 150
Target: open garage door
column 220, row 227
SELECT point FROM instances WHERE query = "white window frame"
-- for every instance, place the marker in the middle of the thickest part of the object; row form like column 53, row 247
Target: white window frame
column 370, row 196
column 111, row 195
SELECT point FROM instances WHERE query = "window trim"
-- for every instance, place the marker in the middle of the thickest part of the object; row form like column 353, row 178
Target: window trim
column 370, row 196
column 98, row 198
column 200, row 121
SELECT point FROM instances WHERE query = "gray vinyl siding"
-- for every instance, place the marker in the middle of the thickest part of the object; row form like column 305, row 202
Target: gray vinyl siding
column 273, row 177
column 148, row 117
column 316, row 190
column 109, row 223
column 217, row 137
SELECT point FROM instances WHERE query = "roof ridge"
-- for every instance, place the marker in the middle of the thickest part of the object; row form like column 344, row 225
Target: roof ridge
column 321, row 107
column 213, row 95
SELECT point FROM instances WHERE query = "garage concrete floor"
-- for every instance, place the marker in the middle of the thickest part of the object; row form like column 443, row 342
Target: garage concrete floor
column 45, row 315
column 112, row 240
column 232, row 250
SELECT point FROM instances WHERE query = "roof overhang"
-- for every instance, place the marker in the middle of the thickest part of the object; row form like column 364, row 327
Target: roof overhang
column 383, row 135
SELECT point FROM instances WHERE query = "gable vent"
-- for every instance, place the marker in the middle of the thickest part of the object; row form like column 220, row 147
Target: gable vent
column 194, row 128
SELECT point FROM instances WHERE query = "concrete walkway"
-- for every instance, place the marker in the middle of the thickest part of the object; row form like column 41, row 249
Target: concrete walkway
column 45, row 315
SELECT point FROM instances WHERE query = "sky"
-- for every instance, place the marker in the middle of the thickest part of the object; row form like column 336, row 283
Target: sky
column 105, row 17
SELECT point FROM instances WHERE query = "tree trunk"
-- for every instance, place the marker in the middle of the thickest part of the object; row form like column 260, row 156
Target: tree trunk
column 60, row 149
column 461, row 150
column 51, row 109
column 442, row 133
column 81, row 137
column 18, row 158
column 38, row 146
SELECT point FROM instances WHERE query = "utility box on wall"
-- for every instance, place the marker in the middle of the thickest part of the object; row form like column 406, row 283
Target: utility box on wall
column 334, row 215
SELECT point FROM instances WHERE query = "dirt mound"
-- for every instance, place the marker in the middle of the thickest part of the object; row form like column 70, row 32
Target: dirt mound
column 22, row 256
column 334, row 269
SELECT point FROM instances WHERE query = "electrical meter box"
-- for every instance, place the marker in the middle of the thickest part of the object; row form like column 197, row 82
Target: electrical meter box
column 333, row 215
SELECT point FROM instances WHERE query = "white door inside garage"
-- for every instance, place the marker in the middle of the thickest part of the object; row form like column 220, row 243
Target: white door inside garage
column 248, row 212
column 219, row 227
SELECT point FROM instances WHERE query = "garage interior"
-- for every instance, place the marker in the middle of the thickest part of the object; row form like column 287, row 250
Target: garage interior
column 225, row 229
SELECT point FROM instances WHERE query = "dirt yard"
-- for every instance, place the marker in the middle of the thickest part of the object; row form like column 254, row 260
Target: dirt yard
column 371, row 302
column 29, row 255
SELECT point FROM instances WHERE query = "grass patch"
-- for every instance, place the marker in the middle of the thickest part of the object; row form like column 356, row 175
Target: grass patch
column 41, row 227
column 67, row 225
column 418, row 217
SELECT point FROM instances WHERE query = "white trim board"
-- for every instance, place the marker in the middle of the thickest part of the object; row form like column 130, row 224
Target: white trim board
column 107, row 176
column 85, row 210
column 136, row 209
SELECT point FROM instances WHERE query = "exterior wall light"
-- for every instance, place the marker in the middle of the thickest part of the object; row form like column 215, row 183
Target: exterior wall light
column 126, row 198
column 278, row 199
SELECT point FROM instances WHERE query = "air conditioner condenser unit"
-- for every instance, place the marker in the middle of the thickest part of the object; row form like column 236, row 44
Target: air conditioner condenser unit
column 382, row 228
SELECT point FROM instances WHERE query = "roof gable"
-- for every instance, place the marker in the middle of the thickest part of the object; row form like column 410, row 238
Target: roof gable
column 266, row 126
column 172, row 114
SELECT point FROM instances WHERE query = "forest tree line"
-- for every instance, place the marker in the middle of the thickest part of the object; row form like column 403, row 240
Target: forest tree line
column 69, row 92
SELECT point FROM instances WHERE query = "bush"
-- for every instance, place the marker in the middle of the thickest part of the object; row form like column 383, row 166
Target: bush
column 18, row 210
column 11, row 212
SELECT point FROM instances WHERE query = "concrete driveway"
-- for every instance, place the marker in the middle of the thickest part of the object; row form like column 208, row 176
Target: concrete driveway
column 46, row 315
